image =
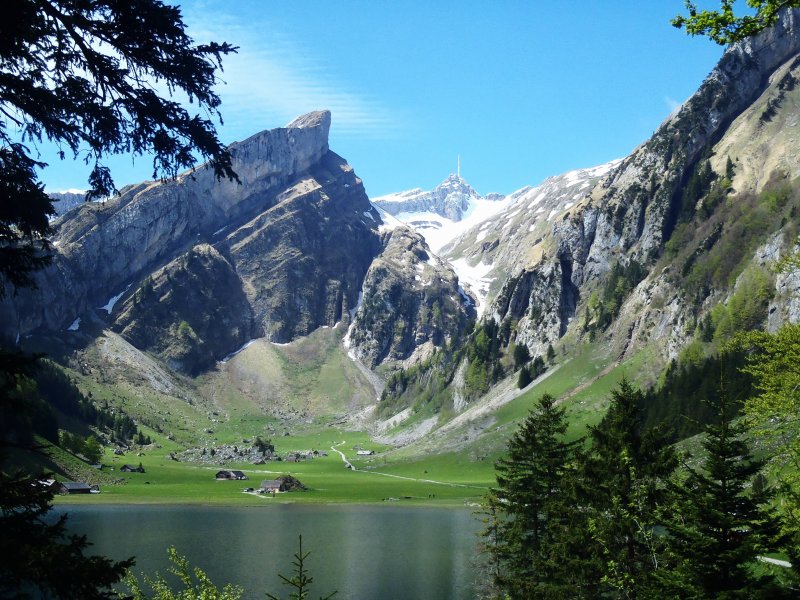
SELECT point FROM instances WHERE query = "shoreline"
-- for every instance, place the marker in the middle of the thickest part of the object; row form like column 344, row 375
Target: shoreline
column 445, row 505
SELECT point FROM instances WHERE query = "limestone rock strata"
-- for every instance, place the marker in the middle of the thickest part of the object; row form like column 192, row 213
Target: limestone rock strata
column 411, row 303
column 188, row 311
column 193, row 268
column 632, row 211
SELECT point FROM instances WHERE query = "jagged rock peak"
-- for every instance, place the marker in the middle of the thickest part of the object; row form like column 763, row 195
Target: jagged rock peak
column 455, row 183
column 289, row 149
column 451, row 199
column 104, row 248
column 317, row 118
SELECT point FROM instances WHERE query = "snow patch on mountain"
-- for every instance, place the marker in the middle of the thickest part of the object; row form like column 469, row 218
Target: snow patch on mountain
column 454, row 216
column 109, row 306
column 444, row 213
column 438, row 231
column 476, row 278
column 388, row 222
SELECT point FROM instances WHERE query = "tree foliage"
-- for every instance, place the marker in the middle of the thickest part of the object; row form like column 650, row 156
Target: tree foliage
column 483, row 351
column 521, row 354
column 684, row 401
column 604, row 308
column 774, row 363
column 96, row 77
column 724, row 27
column 565, row 522
column 527, row 503
column 524, row 377
column 622, row 483
column 39, row 558
column 197, row 585
column 618, row 519
column 721, row 521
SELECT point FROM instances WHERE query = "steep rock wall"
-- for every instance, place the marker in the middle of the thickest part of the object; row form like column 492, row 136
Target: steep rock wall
column 411, row 303
column 102, row 247
column 634, row 209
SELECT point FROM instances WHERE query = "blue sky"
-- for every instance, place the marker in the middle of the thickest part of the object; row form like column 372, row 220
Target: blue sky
column 520, row 90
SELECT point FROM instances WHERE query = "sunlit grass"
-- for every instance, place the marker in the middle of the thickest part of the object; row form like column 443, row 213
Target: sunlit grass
column 582, row 382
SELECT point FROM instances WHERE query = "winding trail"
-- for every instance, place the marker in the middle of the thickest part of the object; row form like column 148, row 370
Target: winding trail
column 350, row 466
column 346, row 462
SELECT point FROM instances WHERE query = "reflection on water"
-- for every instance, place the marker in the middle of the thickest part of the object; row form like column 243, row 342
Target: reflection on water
column 364, row 552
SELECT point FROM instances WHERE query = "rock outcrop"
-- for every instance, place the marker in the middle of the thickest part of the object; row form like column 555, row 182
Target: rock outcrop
column 285, row 250
column 411, row 303
column 450, row 199
column 633, row 211
column 189, row 312
column 63, row 202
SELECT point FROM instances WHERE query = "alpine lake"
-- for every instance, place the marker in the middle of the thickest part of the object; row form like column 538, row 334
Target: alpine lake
column 359, row 551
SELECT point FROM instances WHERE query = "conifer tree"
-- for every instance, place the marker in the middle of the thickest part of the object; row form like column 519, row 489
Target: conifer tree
column 85, row 76
column 720, row 521
column 524, row 377
column 527, row 503
column 522, row 355
column 621, row 485
column 40, row 559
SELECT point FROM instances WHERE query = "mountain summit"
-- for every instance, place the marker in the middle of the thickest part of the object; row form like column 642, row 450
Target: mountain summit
column 451, row 199
column 194, row 268
column 442, row 213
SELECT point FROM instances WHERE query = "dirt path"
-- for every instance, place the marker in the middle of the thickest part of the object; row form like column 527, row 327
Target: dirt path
column 346, row 462
column 350, row 466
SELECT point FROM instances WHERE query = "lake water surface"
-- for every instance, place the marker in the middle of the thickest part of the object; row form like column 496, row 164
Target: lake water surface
column 364, row 552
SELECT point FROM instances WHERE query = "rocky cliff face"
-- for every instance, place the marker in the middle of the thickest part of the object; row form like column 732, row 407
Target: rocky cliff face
column 63, row 202
column 192, row 269
column 411, row 303
column 510, row 240
column 188, row 311
column 104, row 247
column 302, row 261
column 634, row 210
column 285, row 251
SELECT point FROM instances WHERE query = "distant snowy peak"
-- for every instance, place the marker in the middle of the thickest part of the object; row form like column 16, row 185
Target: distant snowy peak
column 507, row 239
column 451, row 199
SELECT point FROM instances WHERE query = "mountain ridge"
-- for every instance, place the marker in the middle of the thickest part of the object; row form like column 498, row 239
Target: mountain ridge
column 651, row 252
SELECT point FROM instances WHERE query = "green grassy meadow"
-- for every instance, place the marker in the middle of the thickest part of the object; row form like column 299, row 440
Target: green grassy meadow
column 166, row 481
column 230, row 406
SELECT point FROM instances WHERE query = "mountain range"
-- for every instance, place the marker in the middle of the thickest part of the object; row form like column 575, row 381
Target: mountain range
column 638, row 257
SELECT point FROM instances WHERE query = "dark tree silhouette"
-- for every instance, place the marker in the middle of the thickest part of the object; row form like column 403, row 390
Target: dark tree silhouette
column 85, row 74
column 39, row 558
